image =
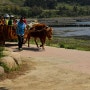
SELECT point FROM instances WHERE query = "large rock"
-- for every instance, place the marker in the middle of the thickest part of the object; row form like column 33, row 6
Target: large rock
column 6, row 53
column 8, row 49
column 8, row 62
column 1, row 70
column 17, row 57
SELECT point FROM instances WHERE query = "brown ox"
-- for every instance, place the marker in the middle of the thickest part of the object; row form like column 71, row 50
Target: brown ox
column 36, row 26
column 41, row 33
column 39, row 26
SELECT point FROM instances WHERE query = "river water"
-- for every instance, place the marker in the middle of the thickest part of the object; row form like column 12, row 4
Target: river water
column 72, row 31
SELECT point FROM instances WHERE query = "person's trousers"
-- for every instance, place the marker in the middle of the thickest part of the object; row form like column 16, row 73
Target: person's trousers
column 20, row 41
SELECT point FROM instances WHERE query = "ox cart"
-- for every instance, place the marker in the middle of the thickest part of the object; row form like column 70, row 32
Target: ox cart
column 40, row 31
column 8, row 33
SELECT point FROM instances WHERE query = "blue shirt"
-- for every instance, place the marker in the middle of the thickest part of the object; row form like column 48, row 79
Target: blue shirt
column 20, row 28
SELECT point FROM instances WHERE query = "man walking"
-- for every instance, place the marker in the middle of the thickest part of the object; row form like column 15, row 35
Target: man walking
column 20, row 32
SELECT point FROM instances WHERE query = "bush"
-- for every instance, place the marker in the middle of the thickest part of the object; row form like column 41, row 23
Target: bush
column 62, row 45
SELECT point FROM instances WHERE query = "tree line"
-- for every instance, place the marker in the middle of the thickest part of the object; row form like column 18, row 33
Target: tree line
column 48, row 8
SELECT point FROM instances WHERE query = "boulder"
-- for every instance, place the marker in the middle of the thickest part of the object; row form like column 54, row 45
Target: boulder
column 1, row 70
column 8, row 62
column 8, row 49
column 17, row 57
column 6, row 53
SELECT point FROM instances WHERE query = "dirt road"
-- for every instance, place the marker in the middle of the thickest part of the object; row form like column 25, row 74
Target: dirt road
column 56, row 69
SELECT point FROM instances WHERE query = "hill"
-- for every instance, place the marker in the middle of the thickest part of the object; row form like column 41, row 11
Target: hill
column 5, row 2
column 81, row 2
column 54, row 3
column 15, row 2
column 33, row 2
column 46, row 8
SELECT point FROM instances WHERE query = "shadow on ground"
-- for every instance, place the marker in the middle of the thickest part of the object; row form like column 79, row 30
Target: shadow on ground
column 29, row 49
column 33, row 49
column 9, row 45
column 3, row 88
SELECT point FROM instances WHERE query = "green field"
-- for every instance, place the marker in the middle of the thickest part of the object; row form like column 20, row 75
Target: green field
column 1, row 51
column 79, row 43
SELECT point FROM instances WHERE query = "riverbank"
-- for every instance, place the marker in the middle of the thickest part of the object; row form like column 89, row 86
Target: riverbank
column 68, row 25
column 72, row 42
column 62, row 21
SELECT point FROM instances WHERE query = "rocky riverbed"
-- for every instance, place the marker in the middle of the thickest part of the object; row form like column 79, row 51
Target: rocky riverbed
column 62, row 21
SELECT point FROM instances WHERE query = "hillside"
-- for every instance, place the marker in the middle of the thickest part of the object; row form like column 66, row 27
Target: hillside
column 47, row 3
column 18, row 2
column 53, row 3
column 46, row 8
column 7, row 2
column 81, row 2
column 31, row 3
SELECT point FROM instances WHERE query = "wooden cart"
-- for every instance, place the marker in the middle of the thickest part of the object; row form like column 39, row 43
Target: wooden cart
column 8, row 33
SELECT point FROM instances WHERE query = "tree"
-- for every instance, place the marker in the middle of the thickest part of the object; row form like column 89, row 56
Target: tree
column 36, row 11
column 50, row 4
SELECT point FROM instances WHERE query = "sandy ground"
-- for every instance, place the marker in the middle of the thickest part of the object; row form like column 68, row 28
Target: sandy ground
column 55, row 69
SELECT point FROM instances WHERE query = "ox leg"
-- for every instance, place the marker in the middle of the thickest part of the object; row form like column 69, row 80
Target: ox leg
column 25, row 39
column 43, row 42
column 28, row 42
column 36, row 42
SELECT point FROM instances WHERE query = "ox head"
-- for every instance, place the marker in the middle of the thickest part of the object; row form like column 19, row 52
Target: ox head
column 49, row 32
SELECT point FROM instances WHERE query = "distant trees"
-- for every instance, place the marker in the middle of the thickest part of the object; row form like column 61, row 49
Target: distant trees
column 81, row 2
column 47, row 8
column 45, row 4
column 73, row 10
column 36, row 11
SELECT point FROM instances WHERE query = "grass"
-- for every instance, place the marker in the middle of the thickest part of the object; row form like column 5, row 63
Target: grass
column 1, row 49
column 79, row 43
column 73, row 42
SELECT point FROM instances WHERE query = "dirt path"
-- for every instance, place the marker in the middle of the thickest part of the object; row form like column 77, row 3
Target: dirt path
column 56, row 69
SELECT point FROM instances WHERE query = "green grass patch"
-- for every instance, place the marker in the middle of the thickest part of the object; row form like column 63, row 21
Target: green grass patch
column 72, row 43
column 79, row 43
column 1, row 53
column 7, row 69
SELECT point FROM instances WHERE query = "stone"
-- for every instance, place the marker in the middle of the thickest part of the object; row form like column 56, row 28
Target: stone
column 17, row 57
column 1, row 70
column 6, row 53
column 9, row 62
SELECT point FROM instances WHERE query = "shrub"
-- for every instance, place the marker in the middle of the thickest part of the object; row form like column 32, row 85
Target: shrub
column 62, row 45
